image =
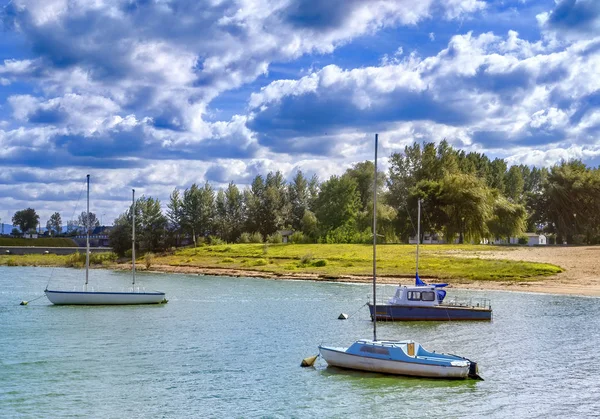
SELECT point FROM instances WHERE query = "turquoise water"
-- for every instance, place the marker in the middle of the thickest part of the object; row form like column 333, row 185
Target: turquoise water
column 231, row 347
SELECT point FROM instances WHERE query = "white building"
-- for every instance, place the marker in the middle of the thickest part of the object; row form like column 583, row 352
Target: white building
column 533, row 239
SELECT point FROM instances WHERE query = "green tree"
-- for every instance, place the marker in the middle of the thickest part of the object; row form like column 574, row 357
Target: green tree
column 120, row 234
column 466, row 202
column 54, row 224
column 175, row 216
column 26, row 219
column 191, row 217
column 514, row 184
column 299, row 197
column 508, row 219
column 151, row 224
column 338, row 203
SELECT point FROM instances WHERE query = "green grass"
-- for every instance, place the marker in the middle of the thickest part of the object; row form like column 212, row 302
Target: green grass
column 76, row 260
column 41, row 242
column 452, row 263
column 447, row 262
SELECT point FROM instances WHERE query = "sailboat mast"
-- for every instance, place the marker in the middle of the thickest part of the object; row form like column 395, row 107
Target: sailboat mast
column 418, row 233
column 375, row 245
column 133, row 236
column 87, row 234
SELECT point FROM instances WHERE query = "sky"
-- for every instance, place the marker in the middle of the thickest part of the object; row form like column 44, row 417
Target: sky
column 159, row 94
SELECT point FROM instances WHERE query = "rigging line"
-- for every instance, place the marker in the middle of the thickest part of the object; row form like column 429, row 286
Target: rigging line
column 409, row 217
column 350, row 315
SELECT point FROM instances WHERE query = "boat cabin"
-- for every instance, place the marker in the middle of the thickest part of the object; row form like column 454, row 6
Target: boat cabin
column 422, row 295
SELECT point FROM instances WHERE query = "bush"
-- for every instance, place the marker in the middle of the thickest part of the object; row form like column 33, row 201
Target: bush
column 523, row 240
column 244, row 238
column 148, row 259
column 299, row 237
column 101, row 258
column 320, row 262
column 256, row 237
column 227, row 260
column 275, row 238
column 306, row 259
column 260, row 262
column 348, row 234
column 76, row 260
column 214, row 240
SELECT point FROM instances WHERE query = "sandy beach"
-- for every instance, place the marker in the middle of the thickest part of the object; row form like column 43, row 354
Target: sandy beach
column 581, row 275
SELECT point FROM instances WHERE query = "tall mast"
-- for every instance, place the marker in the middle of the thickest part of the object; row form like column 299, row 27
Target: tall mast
column 418, row 233
column 133, row 237
column 375, row 245
column 87, row 235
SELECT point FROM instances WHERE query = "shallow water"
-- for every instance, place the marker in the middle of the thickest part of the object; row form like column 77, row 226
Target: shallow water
column 231, row 347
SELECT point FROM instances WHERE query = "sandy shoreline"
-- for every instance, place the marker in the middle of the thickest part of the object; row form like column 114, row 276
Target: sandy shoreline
column 581, row 275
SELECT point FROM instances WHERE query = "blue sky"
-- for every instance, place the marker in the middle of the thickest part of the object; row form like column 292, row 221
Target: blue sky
column 158, row 94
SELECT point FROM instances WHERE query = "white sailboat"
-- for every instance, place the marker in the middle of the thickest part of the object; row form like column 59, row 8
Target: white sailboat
column 405, row 357
column 86, row 297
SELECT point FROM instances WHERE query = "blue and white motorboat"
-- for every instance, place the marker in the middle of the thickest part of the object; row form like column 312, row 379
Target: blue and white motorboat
column 427, row 302
column 402, row 357
column 399, row 358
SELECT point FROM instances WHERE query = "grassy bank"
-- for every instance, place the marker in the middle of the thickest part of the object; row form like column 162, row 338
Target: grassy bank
column 40, row 242
column 448, row 262
column 453, row 263
column 75, row 260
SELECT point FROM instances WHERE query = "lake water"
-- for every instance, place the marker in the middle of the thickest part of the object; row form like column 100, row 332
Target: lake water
column 231, row 347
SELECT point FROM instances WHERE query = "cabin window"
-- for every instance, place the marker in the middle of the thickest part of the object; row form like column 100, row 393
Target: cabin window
column 414, row 295
column 427, row 296
column 375, row 350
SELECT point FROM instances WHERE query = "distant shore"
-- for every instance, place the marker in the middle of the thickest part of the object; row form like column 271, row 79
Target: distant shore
column 581, row 276
column 521, row 269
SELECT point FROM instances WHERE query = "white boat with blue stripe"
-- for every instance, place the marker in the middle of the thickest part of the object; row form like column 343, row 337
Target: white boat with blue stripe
column 399, row 358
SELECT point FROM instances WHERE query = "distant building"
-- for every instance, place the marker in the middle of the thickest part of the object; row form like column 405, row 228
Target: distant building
column 533, row 239
column 286, row 235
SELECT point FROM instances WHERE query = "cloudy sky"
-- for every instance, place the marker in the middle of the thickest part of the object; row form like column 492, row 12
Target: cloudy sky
column 158, row 94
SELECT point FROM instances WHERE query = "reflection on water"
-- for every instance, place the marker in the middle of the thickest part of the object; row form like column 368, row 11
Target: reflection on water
column 232, row 347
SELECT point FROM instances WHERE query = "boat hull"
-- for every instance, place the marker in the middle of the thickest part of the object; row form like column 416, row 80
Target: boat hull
column 393, row 312
column 339, row 358
column 104, row 298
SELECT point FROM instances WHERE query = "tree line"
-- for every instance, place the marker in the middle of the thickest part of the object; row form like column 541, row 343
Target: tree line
column 466, row 197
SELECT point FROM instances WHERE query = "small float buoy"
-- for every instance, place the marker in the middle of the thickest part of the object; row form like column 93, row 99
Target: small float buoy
column 24, row 303
column 343, row 316
column 309, row 362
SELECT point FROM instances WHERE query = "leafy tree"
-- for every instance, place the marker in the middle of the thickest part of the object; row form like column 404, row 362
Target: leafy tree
column 234, row 212
column 151, row 224
column 362, row 173
column 572, row 193
column 299, row 197
column 26, row 219
column 338, row 203
column 466, row 202
column 310, row 226
column 175, row 216
column 514, row 183
column 508, row 219
column 54, row 224
column 72, row 227
column 191, row 209
column 88, row 221
column 120, row 235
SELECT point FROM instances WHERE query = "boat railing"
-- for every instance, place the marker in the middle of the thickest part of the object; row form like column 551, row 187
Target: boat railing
column 484, row 303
